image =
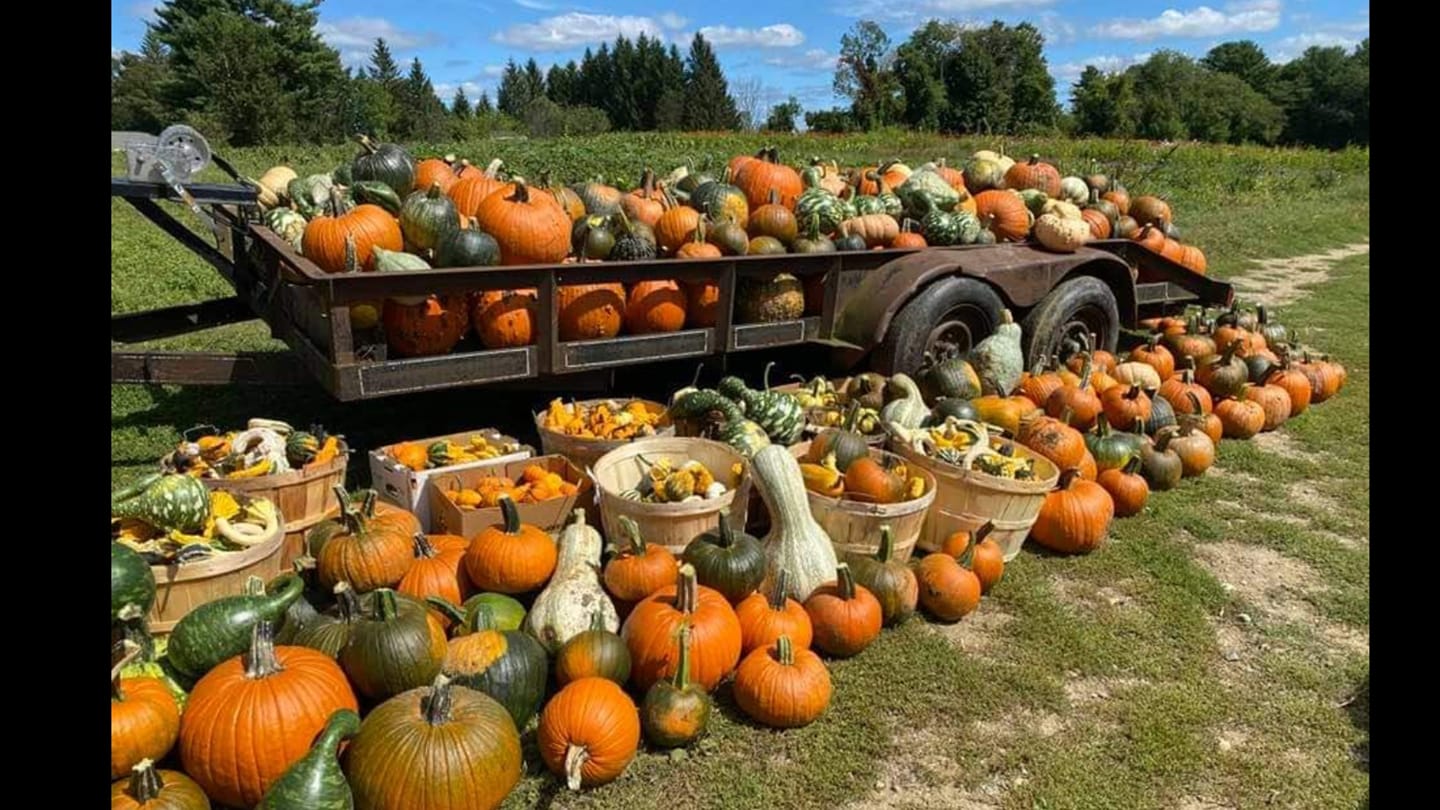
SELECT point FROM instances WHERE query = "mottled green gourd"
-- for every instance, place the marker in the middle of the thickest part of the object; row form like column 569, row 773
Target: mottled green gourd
column 734, row 429
column 925, row 189
column 287, row 223
column 779, row 414
column 374, row 192
column 223, row 628
column 316, row 782
column 999, row 359
column 167, row 502
column 822, row 207
column 131, row 583
column 313, row 195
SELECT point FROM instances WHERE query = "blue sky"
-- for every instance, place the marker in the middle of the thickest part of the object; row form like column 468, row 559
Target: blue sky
column 789, row 46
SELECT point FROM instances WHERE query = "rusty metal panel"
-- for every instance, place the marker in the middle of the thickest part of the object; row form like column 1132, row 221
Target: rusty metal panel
column 745, row 337
column 446, row 371
column 589, row 354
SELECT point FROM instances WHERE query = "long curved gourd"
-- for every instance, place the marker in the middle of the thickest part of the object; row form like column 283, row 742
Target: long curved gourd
column 222, row 629
column 316, row 781
column 796, row 544
column 564, row 609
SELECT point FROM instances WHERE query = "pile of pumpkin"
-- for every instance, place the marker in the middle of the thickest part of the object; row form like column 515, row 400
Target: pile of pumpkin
column 536, row 485
column 607, row 420
column 387, row 212
column 264, row 447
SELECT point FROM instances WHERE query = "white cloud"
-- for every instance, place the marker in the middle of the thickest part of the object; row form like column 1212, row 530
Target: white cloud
column 575, row 29
column 361, row 32
column 671, row 20
column 920, row 9
column 536, row 5
column 780, row 35
column 144, row 9
column 445, row 91
column 492, row 71
column 1243, row 17
column 1291, row 48
column 1067, row 73
column 815, row 59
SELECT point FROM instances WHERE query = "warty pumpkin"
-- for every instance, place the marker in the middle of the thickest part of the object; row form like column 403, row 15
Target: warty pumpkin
column 531, row 228
column 279, row 696
column 675, row 712
column 1075, row 517
column 366, row 551
column 637, row 568
column 655, row 306
column 144, row 717
column 431, row 327
column 395, row 646
column 590, row 311
column 845, row 616
column 441, row 747
column 589, row 732
column 782, row 685
column 764, row 618
column 345, row 242
column 150, row 788
column 891, row 581
column 596, row 653
column 650, row 630
column 513, row 557
column 505, row 319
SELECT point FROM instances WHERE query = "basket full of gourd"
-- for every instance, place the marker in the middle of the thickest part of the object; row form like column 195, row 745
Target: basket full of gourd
column 585, row 430
column 854, row 490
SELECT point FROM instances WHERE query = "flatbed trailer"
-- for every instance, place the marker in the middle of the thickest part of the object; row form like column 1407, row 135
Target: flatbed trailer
column 883, row 308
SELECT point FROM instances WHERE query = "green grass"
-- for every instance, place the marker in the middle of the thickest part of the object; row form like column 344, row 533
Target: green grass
column 1143, row 617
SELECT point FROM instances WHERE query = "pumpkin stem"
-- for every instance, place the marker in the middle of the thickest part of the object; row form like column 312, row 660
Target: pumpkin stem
column 1066, row 477
column 727, row 535
column 575, row 758
column 887, row 544
column 845, row 581
column 145, row 783
column 784, row 651
column 597, row 621
column 522, row 194
column 423, row 549
column 260, row 661
column 451, row 612
column 766, row 378
column 129, row 652
column 511, row 515
column 631, row 530
column 687, row 590
column 386, row 607
column 352, row 254
column 682, row 671
column 434, row 192
column 367, row 142
column 777, row 596
column 1132, row 465
column 1133, row 393
column 436, row 705
column 1162, row 439
column 347, row 602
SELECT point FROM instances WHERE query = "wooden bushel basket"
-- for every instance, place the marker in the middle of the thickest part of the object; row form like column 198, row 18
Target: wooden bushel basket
column 302, row 496
column 672, row 525
column 854, row 526
column 966, row 499
column 586, row 453
column 180, row 589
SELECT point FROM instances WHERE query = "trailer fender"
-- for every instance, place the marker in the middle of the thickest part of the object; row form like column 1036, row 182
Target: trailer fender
column 1020, row 273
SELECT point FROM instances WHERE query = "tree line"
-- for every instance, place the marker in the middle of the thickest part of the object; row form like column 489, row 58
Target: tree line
column 257, row 72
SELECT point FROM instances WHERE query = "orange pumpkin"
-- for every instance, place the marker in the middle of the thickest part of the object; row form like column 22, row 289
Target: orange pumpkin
column 644, row 204
column 1149, row 210
column 782, row 685
column 1193, row 259
column 1184, row 394
column 144, row 718
column 438, row 570
column 1295, row 383
column 698, row 247
column 362, row 548
column 655, row 306
column 1034, row 174
column 1098, row 222
column 845, row 616
column 346, row 243
column 590, row 311
column 1153, row 238
column 530, row 228
column 253, row 716
column 589, row 732
column 472, row 187
column 1003, row 213
column 702, row 303
column 505, row 319
column 764, row 619
column 428, row 328
column 948, row 590
column 1052, row 438
column 638, row 569
column 1155, row 356
column 650, row 631
column 513, row 557
column 1126, row 487
column 1121, row 198
column 758, row 177
column 675, row 227
column 434, row 170
column 1273, row 399
column 1075, row 517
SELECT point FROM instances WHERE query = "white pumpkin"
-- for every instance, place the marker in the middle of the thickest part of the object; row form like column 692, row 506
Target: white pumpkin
column 1074, row 190
column 1061, row 235
column 1138, row 374
column 999, row 360
column 567, row 605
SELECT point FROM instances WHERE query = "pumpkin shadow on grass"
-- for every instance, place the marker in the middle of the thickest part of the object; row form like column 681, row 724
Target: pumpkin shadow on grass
column 1358, row 710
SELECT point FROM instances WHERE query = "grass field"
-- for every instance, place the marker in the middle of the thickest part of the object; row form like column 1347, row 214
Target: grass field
column 1214, row 654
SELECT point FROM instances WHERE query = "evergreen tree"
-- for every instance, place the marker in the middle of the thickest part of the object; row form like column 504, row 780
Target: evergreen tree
column 562, row 84
column 707, row 104
column 622, row 107
column 422, row 114
column 1244, row 60
column 460, row 105
column 136, row 82
column 513, row 96
column 382, row 65
column 782, row 116
column 483, row 106
column 670, row 104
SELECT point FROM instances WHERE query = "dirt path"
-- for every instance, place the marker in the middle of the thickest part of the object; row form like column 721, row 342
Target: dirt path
column 1281, row 282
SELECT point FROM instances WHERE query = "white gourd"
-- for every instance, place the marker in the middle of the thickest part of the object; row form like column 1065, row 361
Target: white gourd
column 999, row 360
column 909, row 410
column 564, row 609
column 1075, row 190
column 1061, row 209
column 796, row 544
column 1139, row 374
column 1061, row 235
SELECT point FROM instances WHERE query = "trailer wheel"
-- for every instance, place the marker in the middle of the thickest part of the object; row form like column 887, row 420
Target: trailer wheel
column 953, row 312
column 1077, row 307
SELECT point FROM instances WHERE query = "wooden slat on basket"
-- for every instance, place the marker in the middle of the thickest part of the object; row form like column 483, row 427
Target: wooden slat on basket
column 180, row 589
column 302, row 496
column 586, row 452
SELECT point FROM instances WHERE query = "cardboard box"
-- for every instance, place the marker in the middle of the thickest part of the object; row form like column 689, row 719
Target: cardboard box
column 551, row 515
column 410, row 489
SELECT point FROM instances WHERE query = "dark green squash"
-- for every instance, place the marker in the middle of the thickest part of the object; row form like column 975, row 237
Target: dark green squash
column 765, row 246
column 676, row 712
column 850, row 241
column 1275, row 334
column 781, row 415
column 592, row 238
column 630, row 245
column 302, row 612
column 316, row 782
column 1161, row 465
column 385, row 162
column 374, row 192
column 392, row 649
column 508, row 665
column 729, row 237
column 948, row 377
column 427, row 218
column 222, row 629
column 467, row 247
column 813, row 239
column 132, row 583
column 1112, row 449
column 731, row 562
column 1162, row 415
column 330, row 632
column 1259, row 368
column 946, row 407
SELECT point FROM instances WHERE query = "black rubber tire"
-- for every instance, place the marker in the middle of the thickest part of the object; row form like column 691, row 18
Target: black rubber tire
column 1086, row 300
column 966, row 300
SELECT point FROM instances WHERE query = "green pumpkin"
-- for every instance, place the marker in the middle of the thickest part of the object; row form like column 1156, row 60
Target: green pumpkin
column 222, row 629
column 731, row 562
column 852, row 241
column 392, row 649
column 397, row 261
column 779, row 414
column 427, row 217
column 601, row 649
column 922, row 190
column 844, row 442
column 946, row 407
column 813, row 240
column 592, row 238
column 1275, row 333
column 508, row 665
column 890, row 580
column 131, row 583
column 288, row 224
column 982, row 174
column 1162, row 415
column 342, row 176
column 949, row 377
column 1112, row 449
column 985, row 237
column 386, row 163
column 765, row 246
column 1035, row 200
column 467, row 247
column 166, row 502
column 940, row 228
column 735, row 430
column 315, row 781
column 729, row 237
column 821, row 207
column 330, row 632
column 374, row 192
column 302, row 445
column 676, row 699
column 720, row 202
column 506, row 612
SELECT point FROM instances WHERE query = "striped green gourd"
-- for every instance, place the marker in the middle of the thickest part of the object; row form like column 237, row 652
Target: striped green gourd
column 222, row 629
column 315, row 781
column 167, row 502
column 740, row 433
column 779, row 414
column 816, row 202
column 131, row 583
